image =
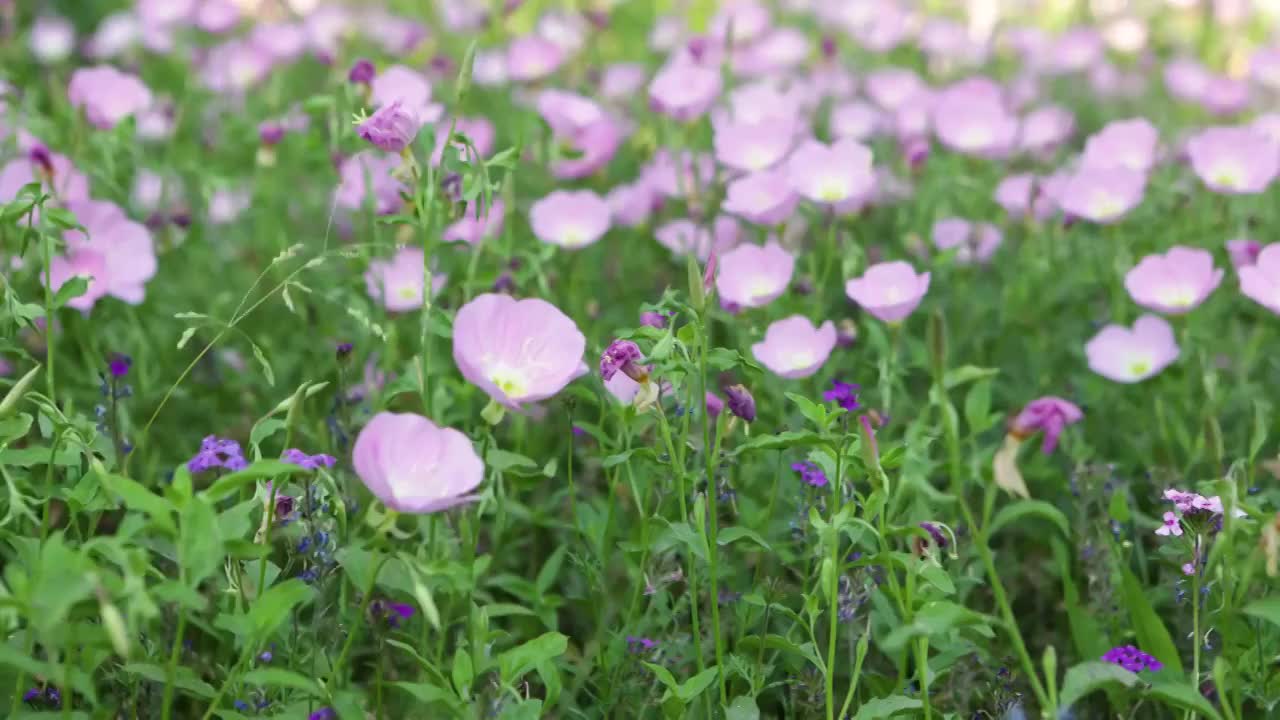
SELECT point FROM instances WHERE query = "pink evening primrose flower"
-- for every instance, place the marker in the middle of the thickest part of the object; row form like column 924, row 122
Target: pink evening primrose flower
column 1130, row 355
column 53, row 171
column 1243, row 252
column 414, row 466
column 974, row 122
column 749, row 147
column 477, row 223
column 517, row 351
column 1186, row 79
column 369, row 176
column 679, row 176
column 684, row 236
column 752, row 276
column 856, row 120
column 632, row 203
column 622, row 80
column 763, row 198
column 892, row 87
column 115, row 253
column 831, row 174
column 107, row 95
column 52, row 38
column 532, row 57
column 1175, row 282
column 1260, row 281
column 1264, row 67
column 1045, row 129
column 571, row 219
column 973, row 242
column 410, row 88
column 1048, row 414
column 1234, row 160
column 1013, row 193
column 479, row 130
column 889, row 291
column 793, row 348
column 1130, row 144
column 391, row 127
column 397, row 283
column 683, row 90
column 1102, row 195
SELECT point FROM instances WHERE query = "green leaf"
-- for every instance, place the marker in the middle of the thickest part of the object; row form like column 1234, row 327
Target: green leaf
column 938, row 578
column 273, row 608
column 517, row 661
column 262, row 361
column 231, row 483
column 427, row 693
column 1088, row 637
column 886, row 707
column 664, row 676
column 812, row 411
column 550, row 569
column 281, row 678
column 682, row 533
column 9, row 405
column 71, row 289
column 200, row 545
column 502, row 461
column 977, row 406
column 1153, row 637
column 780, row 441
column 1265, row 609
column 1023, row 508
column 184, row 678
column 138, row 497
column 264, row 429
column 1181, row 695
column 1093, row 675
column 743, row 707
column 696, row 685
column 462, row 673
column 933, row 619
column 728, row 535
column 966, row 374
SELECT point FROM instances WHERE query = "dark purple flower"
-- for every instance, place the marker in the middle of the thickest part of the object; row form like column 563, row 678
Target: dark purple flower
column 119, row 364
column 939, row 538
column 741, row 403
column 653, row 320
column 639, row 645
column 285, row 505
column 324, row 713
column 344, row 350
column 390, row 613
column 623, row 355
column 362, row 72
column 1049, row 414
column 1132, row 659
column 216, row 452
column 843, row 394
column 810, row 473
column 270, row 133
column 308, row 462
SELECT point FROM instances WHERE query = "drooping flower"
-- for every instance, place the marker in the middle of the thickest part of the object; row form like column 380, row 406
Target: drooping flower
column 793, row 348
column 518, row 352
column 741, row 403
column 391, row 127
column 107, row 95
column 843, row 394
column 1234, row 160
column 1132, row 659
column 1260, row 281
column 1175, row 282
column 935, row 534
column 572, row 219
column 398, row 283
column 763, row 198
column 890, row 290
column 624, row 356
column 831, row 174
column 751, row 276
column 1049, row 414
column 1130, row 355
column 1130, row 144
column 1102, row 195
column 414, row 466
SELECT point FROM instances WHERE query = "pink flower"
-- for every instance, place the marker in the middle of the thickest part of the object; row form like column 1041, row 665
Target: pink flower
column 892, row 87
column 1046, row 128
column 1132, row 355
column 632, row 203
column 369, row 176
column 1171, row 526
column 86, row 264
column 124, row 247
column 1048, row 414
column 763, row 198
column 890, row 290
column 793, row 348
column 679, row 176
column 1175, row 282
column 973, row 120
column 479, row 130
column 52, row 38
column 1234, row 160
column 684, row 236
column 622, row 80
column 743, row 21
column 1260, row 282
column 227, row 204
column 749, row 147
column 833, row 174
column 856, row 120
column 1102, row 195
column 413, row 466
column 1014, row 194
column 107, row 95
column 1264, row 66
column 53, row 171
column 1129, row 144
column 972, row 242
column 571, row 219
column 752, row 276
column 1243, row 252
column 517, row 351
column 1225, row 96
column 684, row 91
column 391, row 127
column 397, row 283
column 478, row 223
column 531, row 57
column 1186, row 79
column 408, row 87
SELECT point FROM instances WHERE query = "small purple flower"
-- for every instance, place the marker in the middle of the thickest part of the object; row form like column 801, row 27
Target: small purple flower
column 843, row 394
column 344, row 350
column 653, row 320
column 362, row 72
column 810, row 473
column 623, row 355
column 217, row 452
column 741, row 403
column 391, row 613
column 324, row 713
column 715, row 405
column 285, row 505
column 391, row 127
column 1050, row 414
column 638, row 645
column 119, row 364
column 308, row 462
column 1132, row 659
column 270, row 133
column 939, row 538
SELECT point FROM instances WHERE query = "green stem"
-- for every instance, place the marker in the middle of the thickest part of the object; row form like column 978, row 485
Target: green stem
column 922, row 672
column 1195, row 625
column 713, row 495
column 226, row 684
column 355, row 627
column 833, row 590
column 171, row 671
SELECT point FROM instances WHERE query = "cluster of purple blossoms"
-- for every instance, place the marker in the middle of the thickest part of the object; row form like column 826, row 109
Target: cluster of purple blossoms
column 810, row 473
column 391, row 614
column 48, row 697
column 1196, row 511
column 1132, row 659
column 216, row 452
column 308, row 462
column 843, row 394
column 638, row 645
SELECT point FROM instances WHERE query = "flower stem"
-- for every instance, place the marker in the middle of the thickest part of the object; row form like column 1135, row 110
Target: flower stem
column 166, row 705
column 1195, row 625
column 713, row 496
column 833, row 590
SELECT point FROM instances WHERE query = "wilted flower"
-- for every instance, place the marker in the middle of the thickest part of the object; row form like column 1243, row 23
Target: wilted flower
column 1048, row 414
column 362, row 72
column 518, row 352
column 1260, row 281
column 794, row 348
column 1175, row 282
column 890, row 291
column 939, row 539
column 752, row 276
column 107, row 95
column 1132, row 659
column 741, row 403
column 413, row 466
column 572, row 219
column 623, row 355
column 1131, row 355
column 1234, row 160
column 391, row 127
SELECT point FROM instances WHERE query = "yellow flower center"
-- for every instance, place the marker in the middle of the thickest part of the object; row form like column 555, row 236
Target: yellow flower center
column 511, row 382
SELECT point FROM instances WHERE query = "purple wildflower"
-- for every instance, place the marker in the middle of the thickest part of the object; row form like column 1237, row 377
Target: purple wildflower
column 741, row 403
column 362, row 73
column 308, row 462
column 715, row 405
column 270, row 133
column 810, row 473
column 1132, row 659
column 216, row 452
column 637, row 645
column 285, row 505
column 623, row 355
column 324, row 713
column 843, row 394
column 653, row 320
column 344, row 350
column 119, row 364
column 391, row 613
column 939, row 538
